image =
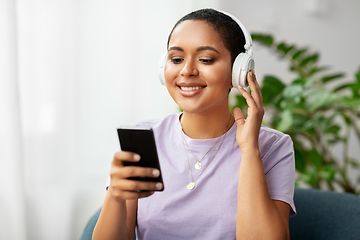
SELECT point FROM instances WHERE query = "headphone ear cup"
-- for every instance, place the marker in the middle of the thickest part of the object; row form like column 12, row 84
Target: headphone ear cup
column 242, row 65
column 161, row 70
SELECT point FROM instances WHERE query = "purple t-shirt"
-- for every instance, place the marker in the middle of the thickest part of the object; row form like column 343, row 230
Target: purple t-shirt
column 209, row 210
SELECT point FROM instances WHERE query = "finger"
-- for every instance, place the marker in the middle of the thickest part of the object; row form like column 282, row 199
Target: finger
column 259, row 100
column 137, row 195
column 132, row 171
column 117, row 172
column 124, row 156
column 257, row 85
column 255, row 79
column 249, row 99
column 255, row 88
column 137, row 186
column 121, row 194
column 238, row 116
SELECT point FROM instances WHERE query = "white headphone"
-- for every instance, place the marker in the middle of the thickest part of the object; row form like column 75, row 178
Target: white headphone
column 242, row 65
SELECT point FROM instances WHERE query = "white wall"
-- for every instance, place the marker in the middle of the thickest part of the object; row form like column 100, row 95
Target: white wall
column 329, row 27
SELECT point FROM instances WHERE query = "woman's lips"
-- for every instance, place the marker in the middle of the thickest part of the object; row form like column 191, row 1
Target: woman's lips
column 190, row 88
column 190, row 91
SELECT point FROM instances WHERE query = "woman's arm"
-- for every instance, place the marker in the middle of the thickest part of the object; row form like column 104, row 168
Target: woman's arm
column 258, row 216
column 117, row 219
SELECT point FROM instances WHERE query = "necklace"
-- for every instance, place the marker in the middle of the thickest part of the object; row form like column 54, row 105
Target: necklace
column 191, row 185
column 198, row 164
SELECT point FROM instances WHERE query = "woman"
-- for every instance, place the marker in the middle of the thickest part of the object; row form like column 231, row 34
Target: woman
column 224, row 177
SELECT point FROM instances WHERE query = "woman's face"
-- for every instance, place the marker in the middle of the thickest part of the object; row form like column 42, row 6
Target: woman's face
column 198, row 68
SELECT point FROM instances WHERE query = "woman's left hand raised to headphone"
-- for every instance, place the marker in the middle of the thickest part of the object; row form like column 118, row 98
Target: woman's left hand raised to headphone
column 248, row 130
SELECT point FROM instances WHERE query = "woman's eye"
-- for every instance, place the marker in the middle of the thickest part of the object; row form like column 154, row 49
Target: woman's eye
column 206, row 61
column 176, row 60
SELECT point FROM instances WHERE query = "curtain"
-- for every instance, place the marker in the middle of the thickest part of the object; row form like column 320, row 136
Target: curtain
column 71, row 71
column 12, row 205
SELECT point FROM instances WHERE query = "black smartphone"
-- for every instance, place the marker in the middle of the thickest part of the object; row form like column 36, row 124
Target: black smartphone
column 141, row 140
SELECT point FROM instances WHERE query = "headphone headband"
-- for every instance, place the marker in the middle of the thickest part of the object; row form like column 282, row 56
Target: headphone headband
column 248, row 40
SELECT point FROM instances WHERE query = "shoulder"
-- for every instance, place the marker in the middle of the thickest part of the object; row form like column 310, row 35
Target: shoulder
column 272, row 141
column 270, row 134
column 160, row 124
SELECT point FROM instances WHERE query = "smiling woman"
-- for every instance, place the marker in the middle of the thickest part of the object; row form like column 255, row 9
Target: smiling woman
column 197, row 58
column 222, row 174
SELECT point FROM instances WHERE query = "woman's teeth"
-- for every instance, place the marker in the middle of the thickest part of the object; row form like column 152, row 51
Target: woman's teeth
column 190, row 88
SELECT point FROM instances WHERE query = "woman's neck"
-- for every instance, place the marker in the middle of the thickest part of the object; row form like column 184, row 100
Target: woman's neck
column 205, row 126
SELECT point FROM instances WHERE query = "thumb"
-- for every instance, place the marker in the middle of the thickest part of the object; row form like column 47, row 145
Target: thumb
column 238, row 116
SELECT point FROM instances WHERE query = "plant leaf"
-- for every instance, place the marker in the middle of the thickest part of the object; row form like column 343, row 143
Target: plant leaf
column 309, row 176
column 342, row 87
column 334, row 129
column 292, row 91
column 292, row 96
column 271, row 89
column 327, row 173
column 354, row 163
column 316, row 98
column 318, row 69
column 331, row 77
column 284, row 48
column 286, row 121
column 263, row 38
column 300, row 163
column 352, row 103
column 315, row 158
column 309, row 59
column 300, row 120
column 299, row 53
column 357, row 75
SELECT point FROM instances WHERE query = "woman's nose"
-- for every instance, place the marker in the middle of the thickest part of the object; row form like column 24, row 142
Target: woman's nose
column 189, row 69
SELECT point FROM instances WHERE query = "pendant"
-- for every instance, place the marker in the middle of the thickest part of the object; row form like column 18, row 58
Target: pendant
column 191, row 186
column 198, row 165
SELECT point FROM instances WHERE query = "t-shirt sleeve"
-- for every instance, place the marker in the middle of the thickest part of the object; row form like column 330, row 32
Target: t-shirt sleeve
column 279, row 166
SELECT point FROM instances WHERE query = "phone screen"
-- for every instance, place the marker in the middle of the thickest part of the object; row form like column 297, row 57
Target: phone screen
column 140, row 140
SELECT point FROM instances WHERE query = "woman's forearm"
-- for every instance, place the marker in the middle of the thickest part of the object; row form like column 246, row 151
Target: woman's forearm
column 257, row 216
column 112, row 222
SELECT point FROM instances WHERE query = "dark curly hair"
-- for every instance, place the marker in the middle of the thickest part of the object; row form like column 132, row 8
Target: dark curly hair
column 228, row 29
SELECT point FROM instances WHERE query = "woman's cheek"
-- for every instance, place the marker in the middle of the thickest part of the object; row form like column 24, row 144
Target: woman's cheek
column 170, row 73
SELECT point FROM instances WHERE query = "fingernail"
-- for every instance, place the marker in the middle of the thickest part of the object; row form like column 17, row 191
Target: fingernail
column 250, row 74
column 156, row 172
column 158, row 185
column 136, row 157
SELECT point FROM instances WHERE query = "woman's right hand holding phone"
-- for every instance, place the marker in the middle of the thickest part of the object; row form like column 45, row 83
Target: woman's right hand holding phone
column 121, row 188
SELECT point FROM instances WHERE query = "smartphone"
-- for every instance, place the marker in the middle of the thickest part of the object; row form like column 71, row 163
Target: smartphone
column 141, row 140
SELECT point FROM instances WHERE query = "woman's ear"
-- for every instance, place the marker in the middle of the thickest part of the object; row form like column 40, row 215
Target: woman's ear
column 231, row 85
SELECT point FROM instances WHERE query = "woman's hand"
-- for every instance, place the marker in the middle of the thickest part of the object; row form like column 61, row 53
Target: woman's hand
column 247, row 134
column 121, row 188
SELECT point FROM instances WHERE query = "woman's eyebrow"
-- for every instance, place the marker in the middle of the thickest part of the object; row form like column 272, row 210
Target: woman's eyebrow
column 202, row 48
column 175, row 48
column 199, row 49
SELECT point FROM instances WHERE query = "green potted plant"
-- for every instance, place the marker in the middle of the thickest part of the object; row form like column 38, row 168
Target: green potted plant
column 316, row 115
